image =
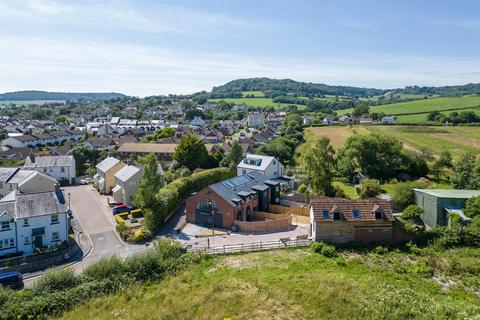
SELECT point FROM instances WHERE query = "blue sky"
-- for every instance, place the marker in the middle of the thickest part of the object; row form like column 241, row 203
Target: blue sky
column 158, row 47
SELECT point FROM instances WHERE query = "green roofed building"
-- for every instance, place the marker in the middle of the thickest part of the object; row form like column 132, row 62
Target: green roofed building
column 438, row 203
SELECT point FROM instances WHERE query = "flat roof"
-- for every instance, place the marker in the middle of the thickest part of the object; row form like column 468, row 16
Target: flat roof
column 450, row 193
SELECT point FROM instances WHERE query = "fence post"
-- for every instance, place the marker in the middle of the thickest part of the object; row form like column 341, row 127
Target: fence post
column 224, row 249
column 261, row 247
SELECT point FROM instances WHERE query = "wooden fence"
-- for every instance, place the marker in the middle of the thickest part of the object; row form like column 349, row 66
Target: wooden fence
column 296, row 210
column 251, row 247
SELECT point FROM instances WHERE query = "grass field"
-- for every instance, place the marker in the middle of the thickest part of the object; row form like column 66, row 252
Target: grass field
column 425, row 105
column 256, row 94
column 457, row 140
column 27, row 102
column 258, row 102
column 301, row 284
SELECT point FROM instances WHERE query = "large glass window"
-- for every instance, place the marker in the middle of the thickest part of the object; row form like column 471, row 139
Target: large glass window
column 5, row 225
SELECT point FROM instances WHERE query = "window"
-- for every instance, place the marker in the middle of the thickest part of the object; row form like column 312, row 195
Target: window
column 7, row 243
column 336, row 215
column 26, row 241
column 10, row 186
column 274, row 162
column 55, row 236
column 54, row 219
column 356, row 214
column 378, row 215
column 5, row 226
column 244, row 171
column 62, row 169
column 325, row 214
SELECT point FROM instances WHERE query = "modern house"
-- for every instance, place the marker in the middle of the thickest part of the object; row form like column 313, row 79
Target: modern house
column 106, row 171
column 439, row 203
column 233, row 199
column 32, row 220
column 127, row 180
column 343, row 220
column 62, row 168
column 268, row 166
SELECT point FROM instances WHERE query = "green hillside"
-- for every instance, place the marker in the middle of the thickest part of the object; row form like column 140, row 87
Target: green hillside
column 257, row 102
column 425, row 105
column 301, row 284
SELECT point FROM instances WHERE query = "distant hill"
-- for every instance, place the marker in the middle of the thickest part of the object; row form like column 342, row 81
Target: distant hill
column 275, row 87
column 70, row 96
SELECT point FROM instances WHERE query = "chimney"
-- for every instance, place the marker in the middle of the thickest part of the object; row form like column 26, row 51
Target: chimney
column 32, row 157
column 129, row 162
column 57, row 187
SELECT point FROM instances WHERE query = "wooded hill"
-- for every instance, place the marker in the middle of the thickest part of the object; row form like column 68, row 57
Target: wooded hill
column 70, row 96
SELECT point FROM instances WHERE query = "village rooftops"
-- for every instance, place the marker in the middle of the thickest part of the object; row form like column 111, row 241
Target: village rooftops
column 153, row 147
column 107, row 164
column 450, row 193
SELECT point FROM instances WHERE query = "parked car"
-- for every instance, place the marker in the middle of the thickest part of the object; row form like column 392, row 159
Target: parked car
column 86, row 181
column 12, row 279
column 122, row 209
column 120, row 205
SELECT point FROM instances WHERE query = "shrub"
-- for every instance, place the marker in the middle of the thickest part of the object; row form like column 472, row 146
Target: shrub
column 380, row 250
column 412, row 212
column 55, row 280
column 324, row 249
column 123, row 230
column 402, row 194
column 140, row 235
column 104, row 268
column 369, row 188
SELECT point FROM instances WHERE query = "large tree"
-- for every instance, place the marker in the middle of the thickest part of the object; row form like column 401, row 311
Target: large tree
column 191, row 152
column 234, row 156
column 317, row 157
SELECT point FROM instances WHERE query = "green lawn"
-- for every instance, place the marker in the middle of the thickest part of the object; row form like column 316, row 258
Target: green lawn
column 256, row 94
column 425, row 105
column 301, row 284
column 258, row 102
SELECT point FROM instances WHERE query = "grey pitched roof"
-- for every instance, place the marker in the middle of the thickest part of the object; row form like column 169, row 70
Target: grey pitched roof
column 127, row 172
column 22, row 175
column 107, row 163
column 49, row 161
column 33, row 204
column 230, row 189
column 6, row 173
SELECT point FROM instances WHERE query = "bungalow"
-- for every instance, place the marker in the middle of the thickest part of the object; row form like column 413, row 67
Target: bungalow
column 30, row 221
column 344, row 220
column 127, row 180
column 223, row 203
column 106, row 171
column 268, row 166
column 62, row 168
column 389, row 119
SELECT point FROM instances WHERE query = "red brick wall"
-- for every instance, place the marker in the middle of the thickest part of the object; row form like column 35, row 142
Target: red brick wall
column 227, row 210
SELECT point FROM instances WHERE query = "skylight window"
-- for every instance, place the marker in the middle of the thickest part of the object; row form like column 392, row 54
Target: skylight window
column 356, row 214
column 325, row 214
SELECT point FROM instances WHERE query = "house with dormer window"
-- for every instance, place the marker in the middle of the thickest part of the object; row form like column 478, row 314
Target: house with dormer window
column 343, row 220
column 268, row 166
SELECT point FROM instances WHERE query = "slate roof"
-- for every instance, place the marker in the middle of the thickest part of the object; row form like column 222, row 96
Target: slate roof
column 232, row 188
column 107, row 164
column 49, row 161
column 127, row 172
column 366, row 207
column 22, row 175
column 7, row 173
column 33, row 204
column 25, row 138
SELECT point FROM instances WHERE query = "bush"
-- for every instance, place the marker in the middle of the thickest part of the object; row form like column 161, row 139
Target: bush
column 106, row 267
column 55, row 280
column 380, row 250
column 140, row 236
column 369, row 188
column 123, row 230
column 412, row 212
column 324, row 249
column 403, row 195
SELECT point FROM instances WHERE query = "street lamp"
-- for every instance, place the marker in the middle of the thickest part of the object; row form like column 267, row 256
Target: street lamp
column 69, row 195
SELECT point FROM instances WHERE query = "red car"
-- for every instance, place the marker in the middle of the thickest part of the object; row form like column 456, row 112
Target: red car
column 121, row 205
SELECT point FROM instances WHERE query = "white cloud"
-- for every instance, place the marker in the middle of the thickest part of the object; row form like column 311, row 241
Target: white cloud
column 30, row 63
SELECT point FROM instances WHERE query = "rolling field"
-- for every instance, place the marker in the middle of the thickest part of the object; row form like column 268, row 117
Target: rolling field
column 258, row 102
column 425, row 106
column 457, row 140
column 256, row 94
column 27, row 102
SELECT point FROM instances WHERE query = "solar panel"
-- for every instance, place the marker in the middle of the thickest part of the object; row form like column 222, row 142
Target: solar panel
column 237, row 181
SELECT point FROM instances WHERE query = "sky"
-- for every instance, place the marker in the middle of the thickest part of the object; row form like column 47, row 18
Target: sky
column 152, row 47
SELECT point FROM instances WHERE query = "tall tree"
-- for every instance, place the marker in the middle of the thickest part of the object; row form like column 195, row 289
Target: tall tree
column 191, row 152
column 150, row 183
column 317, row 157
column 234, row 156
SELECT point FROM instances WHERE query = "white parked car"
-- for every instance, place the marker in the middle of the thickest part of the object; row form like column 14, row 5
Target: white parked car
column 86, row 181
